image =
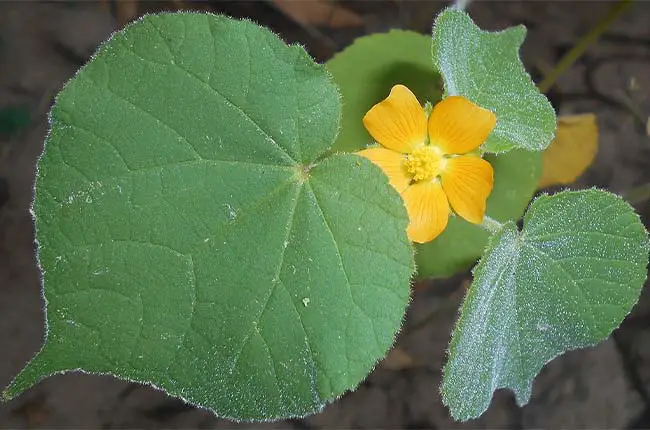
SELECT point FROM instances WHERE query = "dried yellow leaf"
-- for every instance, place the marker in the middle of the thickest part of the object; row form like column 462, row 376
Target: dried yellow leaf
column 398, row 359
column 319, row 13
column 572, row 151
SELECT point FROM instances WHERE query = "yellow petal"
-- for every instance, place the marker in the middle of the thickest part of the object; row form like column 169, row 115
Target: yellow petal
column 571, row 152
column 392, row 163
column 428, row 210
column 458, row 126
column 398, row 122
column 468, row 181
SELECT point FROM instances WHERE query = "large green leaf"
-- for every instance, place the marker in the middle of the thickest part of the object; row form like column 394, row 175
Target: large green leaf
column 485, row 68
column 365, row 73
column 192, row 236
column 564, row 282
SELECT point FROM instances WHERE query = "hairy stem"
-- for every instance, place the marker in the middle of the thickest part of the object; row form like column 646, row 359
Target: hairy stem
column 491, row 225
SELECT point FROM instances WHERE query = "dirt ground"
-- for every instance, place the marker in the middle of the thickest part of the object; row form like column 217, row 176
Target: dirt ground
column 41, row 46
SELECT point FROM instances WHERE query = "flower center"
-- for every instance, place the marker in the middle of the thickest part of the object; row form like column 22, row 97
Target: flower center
column 424, row 163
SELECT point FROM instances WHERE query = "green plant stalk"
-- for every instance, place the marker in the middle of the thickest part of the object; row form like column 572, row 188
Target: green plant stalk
column 491, row 225
column 583, row 44
column 462, row 4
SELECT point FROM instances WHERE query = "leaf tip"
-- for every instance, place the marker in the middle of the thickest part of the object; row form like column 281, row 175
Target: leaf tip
column 519, row 33
column 523, row 393
column 11, row 391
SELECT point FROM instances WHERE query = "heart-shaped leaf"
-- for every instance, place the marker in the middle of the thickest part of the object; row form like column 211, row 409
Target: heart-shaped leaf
column 194, row 237
column 564, row 282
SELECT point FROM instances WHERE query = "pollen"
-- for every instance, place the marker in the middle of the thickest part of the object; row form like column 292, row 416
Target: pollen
column 424, row 163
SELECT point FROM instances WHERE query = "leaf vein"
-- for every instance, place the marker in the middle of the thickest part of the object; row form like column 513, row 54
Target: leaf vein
column 232, row 105
column 158, row 120
column 181, row 341
column 275, row 280
column 342, row 266
column 573, row 281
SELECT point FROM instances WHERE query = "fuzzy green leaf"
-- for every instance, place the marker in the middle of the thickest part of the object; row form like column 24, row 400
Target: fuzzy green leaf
column 564, row 282
column 194, row 237
column 485, row 68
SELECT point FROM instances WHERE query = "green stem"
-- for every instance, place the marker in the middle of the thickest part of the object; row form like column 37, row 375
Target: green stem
column 491, row 225
column 584, row 43
column 461, row 4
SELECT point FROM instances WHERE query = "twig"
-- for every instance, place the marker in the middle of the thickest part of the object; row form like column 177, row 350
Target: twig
column 585, row 42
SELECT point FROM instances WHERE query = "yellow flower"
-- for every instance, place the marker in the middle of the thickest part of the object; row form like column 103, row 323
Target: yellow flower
column 432, row 163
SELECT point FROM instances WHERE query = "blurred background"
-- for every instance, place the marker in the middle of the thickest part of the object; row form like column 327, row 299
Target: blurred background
column 607, row 386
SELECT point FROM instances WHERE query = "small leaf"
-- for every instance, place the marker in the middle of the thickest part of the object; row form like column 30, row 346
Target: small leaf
column 193, row 236
column 377, row 62
column 398, row 359
column 564, row 282
column 485, row 68
column 366, row 70
column 571, row 152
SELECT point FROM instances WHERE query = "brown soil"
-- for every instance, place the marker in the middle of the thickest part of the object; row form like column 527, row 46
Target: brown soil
column 41, row 46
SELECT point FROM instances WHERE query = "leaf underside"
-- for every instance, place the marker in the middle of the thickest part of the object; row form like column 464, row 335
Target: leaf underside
column 564, row 282
column 485, row 67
